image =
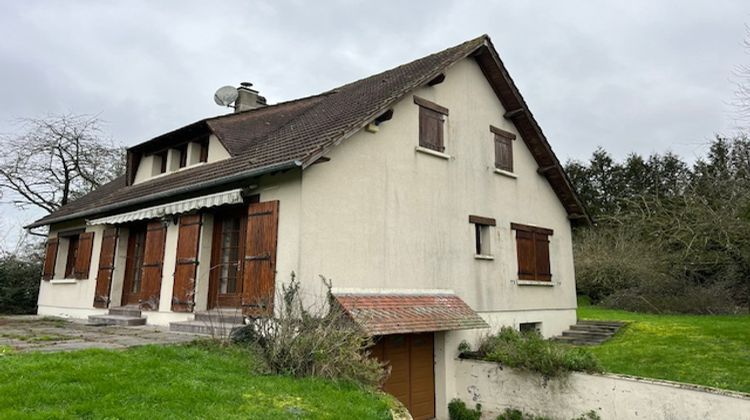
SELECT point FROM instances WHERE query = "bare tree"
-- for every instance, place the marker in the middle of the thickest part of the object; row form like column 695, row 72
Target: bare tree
column 57, row 159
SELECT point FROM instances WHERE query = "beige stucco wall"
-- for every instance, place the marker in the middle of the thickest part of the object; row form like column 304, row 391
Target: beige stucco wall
column 382, row 215
column 610, row 396
column 70, row 297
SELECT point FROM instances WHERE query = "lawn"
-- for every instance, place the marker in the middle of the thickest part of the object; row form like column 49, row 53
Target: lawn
column 704, row 350
column 160, row 382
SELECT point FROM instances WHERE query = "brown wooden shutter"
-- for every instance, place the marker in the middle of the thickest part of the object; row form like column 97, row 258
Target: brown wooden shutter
column 83, row 258
column 106, row 268
column 431, row 129
column 260, row 258
column 50, row 258
column 526, row 250
column 153, row 261
column 503, row 153
column 541, row 245
column 186, row 264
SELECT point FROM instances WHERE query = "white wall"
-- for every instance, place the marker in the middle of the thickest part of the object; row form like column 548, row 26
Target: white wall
column 611, row 396
column 380, row 214
column 71, row 297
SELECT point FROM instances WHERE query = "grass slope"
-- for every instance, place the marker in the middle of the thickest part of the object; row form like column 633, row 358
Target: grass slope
column 704, row 350
column 155, row 382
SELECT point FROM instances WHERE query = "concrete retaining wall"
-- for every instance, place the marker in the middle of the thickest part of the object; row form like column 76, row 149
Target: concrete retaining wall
column 611, row 396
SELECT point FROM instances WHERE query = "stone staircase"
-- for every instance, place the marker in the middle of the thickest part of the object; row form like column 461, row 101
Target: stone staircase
column 216, row 323
column 123, row 315
column 586, row 332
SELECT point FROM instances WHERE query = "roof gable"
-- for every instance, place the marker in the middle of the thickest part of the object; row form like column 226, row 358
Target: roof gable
column 297, row 133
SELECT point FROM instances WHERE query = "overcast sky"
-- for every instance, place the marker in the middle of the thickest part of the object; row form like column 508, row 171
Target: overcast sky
column 637, row 76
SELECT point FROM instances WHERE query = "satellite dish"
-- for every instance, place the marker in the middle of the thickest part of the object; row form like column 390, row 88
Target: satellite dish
column 225, row 95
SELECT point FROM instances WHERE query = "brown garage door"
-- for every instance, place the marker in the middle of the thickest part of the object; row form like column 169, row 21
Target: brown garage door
column 412, row 379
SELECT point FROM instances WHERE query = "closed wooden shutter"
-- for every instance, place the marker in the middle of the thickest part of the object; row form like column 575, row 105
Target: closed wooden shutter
column 431, row 129
column 83, row 258
column 50, row 258
column 106, row 268
column 260, row 258
column 532, row 245
column 541, row 248
column 503, row 153
column 186, row 264
column 526, row 259
column 153, row 261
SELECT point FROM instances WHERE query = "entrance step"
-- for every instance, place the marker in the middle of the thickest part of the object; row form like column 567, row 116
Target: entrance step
column 214, row 329
column 586, row 332
column 123, row 315
column 221, row 316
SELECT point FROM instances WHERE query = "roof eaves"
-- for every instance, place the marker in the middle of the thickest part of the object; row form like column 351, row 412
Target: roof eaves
column 169, row 193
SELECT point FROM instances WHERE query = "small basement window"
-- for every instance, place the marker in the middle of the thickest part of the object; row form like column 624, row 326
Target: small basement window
column 528, row 327
column 482, row 236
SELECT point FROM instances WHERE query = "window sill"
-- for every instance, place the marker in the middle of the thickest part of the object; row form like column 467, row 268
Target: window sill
column 505, row 173
column 63, row 281
column 484, row 257
column 534, row 283
column 431, row 152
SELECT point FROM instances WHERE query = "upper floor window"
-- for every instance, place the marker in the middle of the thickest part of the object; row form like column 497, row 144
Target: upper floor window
column 203, row 157
column 162, row 157
column 431, row 124
column 532, row 248
column 503, row 149
column 183, row 151
column 482, row 237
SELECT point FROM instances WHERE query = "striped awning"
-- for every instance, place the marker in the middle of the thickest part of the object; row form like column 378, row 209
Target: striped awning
column 177, row 207
column 393, row 312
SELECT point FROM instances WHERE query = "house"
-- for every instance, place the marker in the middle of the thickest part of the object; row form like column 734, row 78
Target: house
column 427, row 193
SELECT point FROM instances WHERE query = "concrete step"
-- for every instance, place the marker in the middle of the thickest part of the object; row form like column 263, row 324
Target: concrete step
column 578, row 341
column 117, row 320
column 586, row 334
column 133, row 311
column 616, row 324
column 203, row 327
column 221, row 316
column 594, row 328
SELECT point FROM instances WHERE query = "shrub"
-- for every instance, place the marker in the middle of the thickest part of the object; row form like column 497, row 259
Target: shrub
column 19, row 283
column 513, row 414
column 673, row 296
column 532, row 352
column 302, row 341
column 457, row 410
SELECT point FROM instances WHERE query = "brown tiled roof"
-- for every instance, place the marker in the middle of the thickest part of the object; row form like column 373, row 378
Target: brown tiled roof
column 380, row 314
column 297, row 133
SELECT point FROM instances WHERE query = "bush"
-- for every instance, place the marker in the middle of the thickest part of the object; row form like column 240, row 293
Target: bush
column 457, row 410
column 532, row 352
column 513, row 414
column 674, row 296
column 301, row 341
column 19, row 283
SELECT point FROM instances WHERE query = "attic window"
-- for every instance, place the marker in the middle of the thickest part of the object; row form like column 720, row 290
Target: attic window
column 431, row 124
column 204, row 151
column 503, row 149
column 162, row 156
column 183, row 151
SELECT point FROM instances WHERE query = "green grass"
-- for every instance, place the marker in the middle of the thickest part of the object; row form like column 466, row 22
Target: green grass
column 697, row 349
column 158, row 382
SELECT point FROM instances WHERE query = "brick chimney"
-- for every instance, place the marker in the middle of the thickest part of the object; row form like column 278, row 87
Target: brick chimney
column 248, row 98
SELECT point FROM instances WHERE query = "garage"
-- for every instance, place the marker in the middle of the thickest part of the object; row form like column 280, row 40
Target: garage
column 412, row 379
